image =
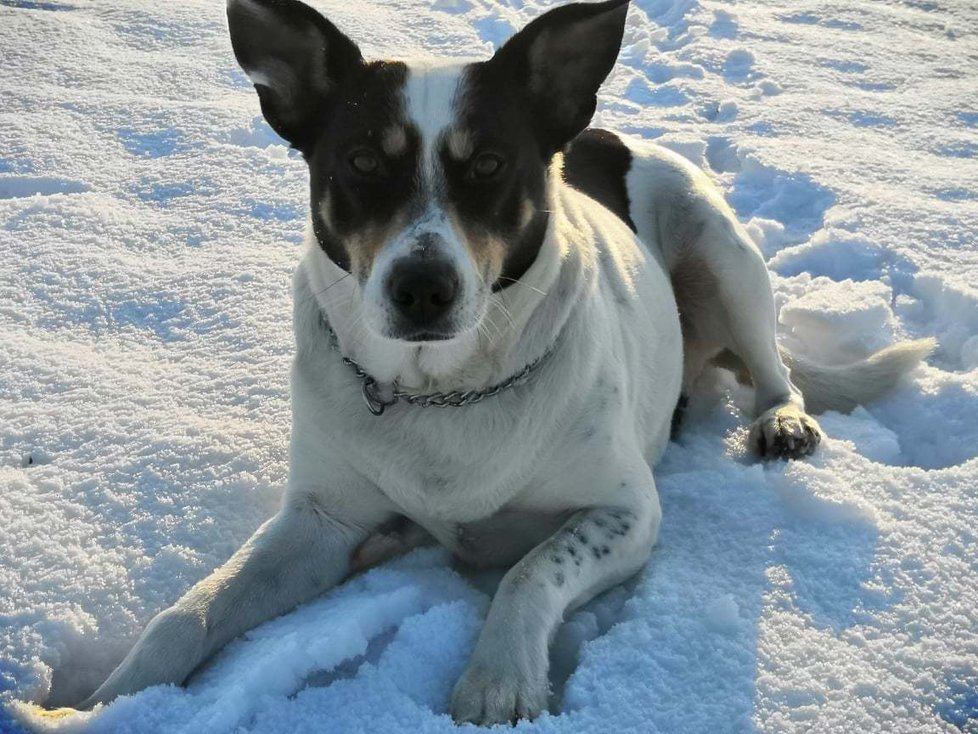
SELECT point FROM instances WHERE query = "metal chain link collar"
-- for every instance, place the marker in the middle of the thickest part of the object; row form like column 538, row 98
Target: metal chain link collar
column 377, row 403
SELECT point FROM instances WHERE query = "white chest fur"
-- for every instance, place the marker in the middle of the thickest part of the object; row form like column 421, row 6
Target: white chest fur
column 608, row 387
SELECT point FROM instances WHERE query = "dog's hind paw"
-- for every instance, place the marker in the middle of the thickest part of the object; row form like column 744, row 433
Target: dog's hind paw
column 785, row 432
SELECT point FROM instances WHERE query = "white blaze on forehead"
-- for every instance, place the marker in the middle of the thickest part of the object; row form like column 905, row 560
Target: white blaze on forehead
column 430, row 92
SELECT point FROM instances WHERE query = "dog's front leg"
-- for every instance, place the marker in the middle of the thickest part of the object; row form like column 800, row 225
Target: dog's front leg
column 507, row 675
column 293, row 557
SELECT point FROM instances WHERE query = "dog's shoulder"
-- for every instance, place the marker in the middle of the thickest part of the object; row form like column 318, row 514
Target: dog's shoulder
column 597, row 163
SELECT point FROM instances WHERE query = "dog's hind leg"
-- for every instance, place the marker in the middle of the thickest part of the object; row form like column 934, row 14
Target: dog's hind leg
column 394, row 538
column 724, row 296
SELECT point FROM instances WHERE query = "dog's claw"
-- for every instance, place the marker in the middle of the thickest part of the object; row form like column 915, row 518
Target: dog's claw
column 785, row 432
column 485, row 697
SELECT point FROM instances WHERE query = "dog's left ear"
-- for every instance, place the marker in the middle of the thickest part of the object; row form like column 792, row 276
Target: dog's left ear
column 560, row 60
column 295, row 58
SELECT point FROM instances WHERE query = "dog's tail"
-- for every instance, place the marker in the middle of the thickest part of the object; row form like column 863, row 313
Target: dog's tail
column 843, row 387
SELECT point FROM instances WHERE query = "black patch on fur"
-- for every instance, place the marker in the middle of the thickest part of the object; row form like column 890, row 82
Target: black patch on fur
column 496, row 117
column 525, row 104
column 368, row 103
column 596, row 163
column 328, row 103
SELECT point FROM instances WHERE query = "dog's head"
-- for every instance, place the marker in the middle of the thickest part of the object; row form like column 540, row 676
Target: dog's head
column 428, row 182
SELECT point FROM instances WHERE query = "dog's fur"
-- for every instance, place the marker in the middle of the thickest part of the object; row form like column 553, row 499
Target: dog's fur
column 615, row 261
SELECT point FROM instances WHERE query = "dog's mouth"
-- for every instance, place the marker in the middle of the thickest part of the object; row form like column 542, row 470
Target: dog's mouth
column 426, row 336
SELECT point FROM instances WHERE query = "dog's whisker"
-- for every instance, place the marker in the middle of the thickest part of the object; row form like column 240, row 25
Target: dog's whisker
column 498, row 302
column 525, row 285
column 320, row 292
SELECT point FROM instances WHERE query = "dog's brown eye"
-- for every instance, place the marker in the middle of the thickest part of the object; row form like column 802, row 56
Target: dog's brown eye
column 486, row 165
column 365, row 162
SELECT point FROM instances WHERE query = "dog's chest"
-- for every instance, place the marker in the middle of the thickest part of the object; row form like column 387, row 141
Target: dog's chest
column 450, row 466
column 441, row 465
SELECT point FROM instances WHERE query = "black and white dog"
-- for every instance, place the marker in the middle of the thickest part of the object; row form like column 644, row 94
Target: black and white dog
column 495, row 317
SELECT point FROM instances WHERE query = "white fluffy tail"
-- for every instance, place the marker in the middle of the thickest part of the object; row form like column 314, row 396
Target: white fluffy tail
column 843, row 387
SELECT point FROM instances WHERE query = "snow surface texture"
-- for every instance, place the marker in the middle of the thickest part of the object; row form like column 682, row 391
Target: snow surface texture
column 149, row 223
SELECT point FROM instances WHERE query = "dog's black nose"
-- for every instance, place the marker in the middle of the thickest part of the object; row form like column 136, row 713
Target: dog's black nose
column 422, row 291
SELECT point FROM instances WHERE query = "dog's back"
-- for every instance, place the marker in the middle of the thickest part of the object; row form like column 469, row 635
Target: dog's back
column 680, row 217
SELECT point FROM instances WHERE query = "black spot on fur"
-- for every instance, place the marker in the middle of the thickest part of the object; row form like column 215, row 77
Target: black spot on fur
column 559, row 578
column 596, row 163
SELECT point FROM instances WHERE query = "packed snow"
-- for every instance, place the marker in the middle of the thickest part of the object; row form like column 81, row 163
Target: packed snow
column 149, row 224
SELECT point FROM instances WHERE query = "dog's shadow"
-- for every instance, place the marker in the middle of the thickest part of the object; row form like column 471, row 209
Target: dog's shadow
column 741, row 545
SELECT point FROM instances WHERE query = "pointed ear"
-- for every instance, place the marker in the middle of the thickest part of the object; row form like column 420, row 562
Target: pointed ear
column 295, row 58
column 560, row 60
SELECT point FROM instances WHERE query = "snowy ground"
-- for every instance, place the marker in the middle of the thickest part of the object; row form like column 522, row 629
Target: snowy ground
column 149, row 222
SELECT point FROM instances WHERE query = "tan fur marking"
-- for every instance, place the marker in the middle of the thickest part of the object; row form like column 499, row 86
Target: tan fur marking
column 526, row 213
column 364, row 246
column 459, row 144
column 394, row 141
column 326, row 210
column 488, row 252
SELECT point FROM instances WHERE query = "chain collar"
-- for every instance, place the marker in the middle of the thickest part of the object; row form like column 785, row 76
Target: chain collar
column 378, row 403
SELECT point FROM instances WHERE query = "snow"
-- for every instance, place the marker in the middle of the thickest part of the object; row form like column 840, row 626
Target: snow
column 149, row 223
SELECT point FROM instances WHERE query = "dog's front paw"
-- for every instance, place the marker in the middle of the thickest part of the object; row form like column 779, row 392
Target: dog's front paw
column 785, row 432
column 495, row 693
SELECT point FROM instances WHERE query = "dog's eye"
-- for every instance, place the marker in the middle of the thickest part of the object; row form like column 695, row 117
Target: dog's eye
column 486, row 165
column 365, row 162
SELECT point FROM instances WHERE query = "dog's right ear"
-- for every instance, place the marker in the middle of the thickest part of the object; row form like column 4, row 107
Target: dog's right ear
column 295, row 58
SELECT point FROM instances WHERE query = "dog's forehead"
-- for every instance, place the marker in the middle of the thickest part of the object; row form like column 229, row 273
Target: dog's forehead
column 432, row 92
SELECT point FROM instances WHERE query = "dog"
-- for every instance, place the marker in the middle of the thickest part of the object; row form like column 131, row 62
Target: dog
column 496, row 315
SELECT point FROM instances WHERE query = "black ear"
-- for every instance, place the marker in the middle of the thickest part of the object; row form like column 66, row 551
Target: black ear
column 560, row 60
column 295, row 58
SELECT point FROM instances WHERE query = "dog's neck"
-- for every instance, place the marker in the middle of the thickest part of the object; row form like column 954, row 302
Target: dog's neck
column 524, row 320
